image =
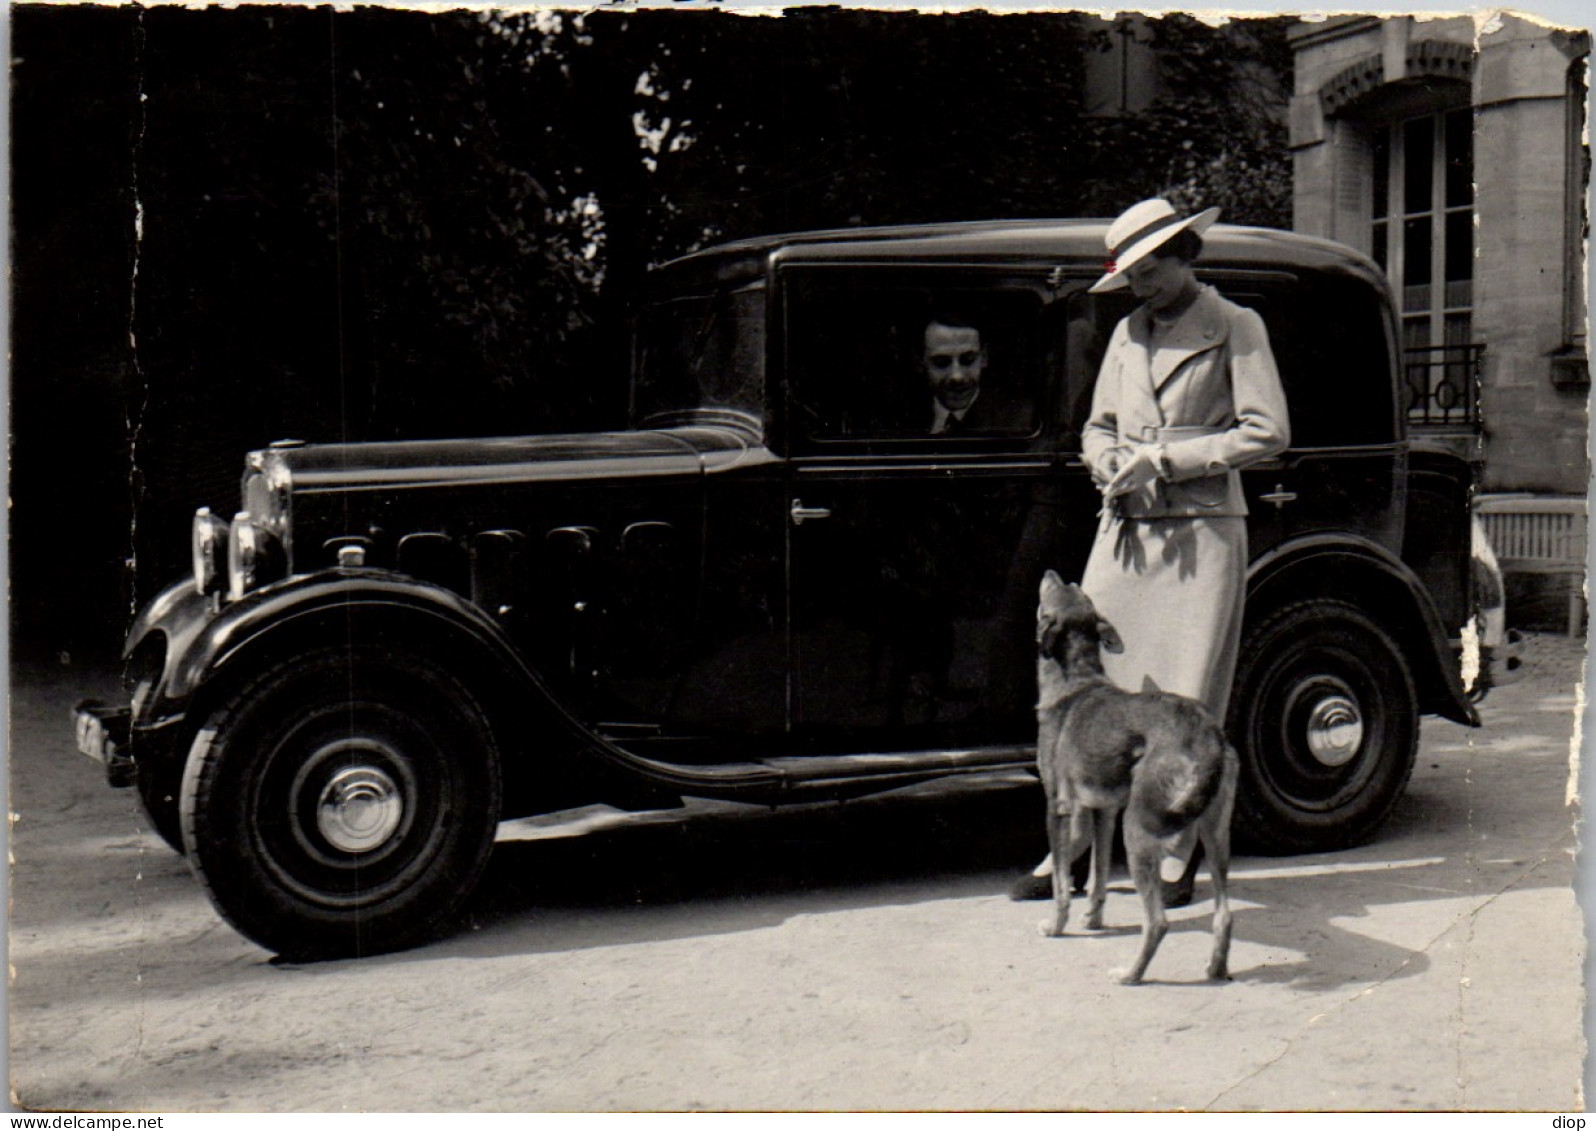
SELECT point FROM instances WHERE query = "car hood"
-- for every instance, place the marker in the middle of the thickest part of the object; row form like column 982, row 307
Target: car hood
column 691, row 450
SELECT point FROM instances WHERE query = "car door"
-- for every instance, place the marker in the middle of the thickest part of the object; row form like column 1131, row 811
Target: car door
column 914, row 558
column 692, row 660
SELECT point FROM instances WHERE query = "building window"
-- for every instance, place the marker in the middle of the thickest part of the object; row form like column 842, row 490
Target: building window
column 1423, row 235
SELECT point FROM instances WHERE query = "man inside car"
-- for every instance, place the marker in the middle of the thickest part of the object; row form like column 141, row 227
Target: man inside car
column 955, row 362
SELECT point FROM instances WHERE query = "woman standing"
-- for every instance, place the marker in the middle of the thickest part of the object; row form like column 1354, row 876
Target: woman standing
column 1188, row 394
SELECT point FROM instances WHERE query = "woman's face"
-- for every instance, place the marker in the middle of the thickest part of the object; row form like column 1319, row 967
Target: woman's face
column 1160, row 281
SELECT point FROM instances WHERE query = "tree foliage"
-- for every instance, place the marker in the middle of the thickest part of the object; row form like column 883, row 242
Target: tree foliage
column 370, row 223
column 1216, row 132
column 510, row 176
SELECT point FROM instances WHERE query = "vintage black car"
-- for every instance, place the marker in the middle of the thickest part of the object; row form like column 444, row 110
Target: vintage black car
column 774, row 586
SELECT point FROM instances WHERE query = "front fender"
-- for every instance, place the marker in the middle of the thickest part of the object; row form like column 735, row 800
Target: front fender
column 374, row 606
column 1377, row 580
column 310, row 602
column 185, row 652
column 160, row 636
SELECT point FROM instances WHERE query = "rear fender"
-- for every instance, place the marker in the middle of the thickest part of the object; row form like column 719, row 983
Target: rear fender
column 1368, row 575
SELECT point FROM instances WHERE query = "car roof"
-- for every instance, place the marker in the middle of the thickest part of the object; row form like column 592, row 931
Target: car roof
column 1073, row 243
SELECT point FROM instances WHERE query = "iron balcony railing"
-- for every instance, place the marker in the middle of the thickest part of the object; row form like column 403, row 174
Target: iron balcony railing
column 1444, row 385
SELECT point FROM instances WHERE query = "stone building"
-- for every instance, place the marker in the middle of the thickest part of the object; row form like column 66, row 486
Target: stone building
column 1451, row 151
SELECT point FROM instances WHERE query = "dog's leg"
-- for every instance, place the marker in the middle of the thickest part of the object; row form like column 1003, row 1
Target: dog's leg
column 1060, row 820
column 1080, row 873
column 1144, row 852
column 1214, row 831
column 1218, row 869
column 1038, row 883
column 1104, row 821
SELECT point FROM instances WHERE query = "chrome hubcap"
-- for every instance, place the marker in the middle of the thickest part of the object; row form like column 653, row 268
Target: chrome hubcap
column 359, row 809
column 1335, row 730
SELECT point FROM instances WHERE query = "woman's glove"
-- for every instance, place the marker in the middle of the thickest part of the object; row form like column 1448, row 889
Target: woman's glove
column 1144, row 464
column 1108, row 465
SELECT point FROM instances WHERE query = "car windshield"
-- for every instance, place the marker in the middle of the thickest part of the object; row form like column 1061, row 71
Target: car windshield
column 703, row 351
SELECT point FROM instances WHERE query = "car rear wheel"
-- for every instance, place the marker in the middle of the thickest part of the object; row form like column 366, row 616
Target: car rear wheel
column 342, row 803
column 1325, row 719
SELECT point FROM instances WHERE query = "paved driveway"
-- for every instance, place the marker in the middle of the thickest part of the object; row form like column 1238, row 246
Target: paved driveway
column 859, row 956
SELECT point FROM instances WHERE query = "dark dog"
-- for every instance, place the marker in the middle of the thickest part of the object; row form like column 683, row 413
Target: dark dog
column 1159, row 759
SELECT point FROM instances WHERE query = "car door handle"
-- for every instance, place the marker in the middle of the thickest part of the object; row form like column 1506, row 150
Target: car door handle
column 802, row 514
column 1279, row 496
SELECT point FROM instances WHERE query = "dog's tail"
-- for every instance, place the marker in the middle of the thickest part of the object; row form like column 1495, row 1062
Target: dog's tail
column 1175, row 787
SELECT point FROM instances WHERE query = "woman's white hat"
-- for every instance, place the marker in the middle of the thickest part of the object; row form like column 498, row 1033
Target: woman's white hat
column 1141, row 229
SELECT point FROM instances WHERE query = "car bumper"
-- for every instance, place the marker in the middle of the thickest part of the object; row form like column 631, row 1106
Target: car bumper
column 103, row 733
column 1502, row 663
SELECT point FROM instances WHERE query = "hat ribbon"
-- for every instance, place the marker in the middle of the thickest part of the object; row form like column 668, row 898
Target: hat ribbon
column 1142, row 233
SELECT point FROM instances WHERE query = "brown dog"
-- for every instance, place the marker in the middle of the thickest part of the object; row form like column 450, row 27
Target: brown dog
column 1159, row 759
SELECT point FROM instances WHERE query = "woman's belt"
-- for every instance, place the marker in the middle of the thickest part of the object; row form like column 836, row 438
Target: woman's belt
column 1151, row 434
column 1216, row 494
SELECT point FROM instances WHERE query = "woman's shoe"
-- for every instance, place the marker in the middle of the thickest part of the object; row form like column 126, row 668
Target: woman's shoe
column 1032, row 886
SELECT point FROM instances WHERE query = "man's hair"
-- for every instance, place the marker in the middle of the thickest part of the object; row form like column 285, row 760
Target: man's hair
column 955, row 319
column 1184, row 244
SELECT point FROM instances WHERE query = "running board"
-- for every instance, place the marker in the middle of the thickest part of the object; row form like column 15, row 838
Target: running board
column 825, row 772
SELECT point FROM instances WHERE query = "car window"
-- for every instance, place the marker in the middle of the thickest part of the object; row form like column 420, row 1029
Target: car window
column 702, row 351
column 858, row 364
column 1330, row 342
column 1089, row 320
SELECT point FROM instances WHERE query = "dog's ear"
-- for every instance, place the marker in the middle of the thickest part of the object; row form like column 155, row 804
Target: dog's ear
column 1108, row 637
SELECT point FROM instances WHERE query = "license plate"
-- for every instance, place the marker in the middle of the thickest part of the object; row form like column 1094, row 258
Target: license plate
column 101, row 732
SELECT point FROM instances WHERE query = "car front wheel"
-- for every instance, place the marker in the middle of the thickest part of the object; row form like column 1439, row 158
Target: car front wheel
column 1325, row 719
column 159, row 779
column 158, row 789
column 342, row 803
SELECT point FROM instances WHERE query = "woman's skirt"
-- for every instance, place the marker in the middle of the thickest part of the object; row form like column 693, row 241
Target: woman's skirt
column 1173, row 589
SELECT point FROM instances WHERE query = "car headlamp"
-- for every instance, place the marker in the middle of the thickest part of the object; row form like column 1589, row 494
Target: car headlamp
column 266, row 493
column 208, row 537
column 254, row 556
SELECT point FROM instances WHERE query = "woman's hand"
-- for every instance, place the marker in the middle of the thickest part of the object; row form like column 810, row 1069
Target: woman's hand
column 1141, row 467
column 1108, row 465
